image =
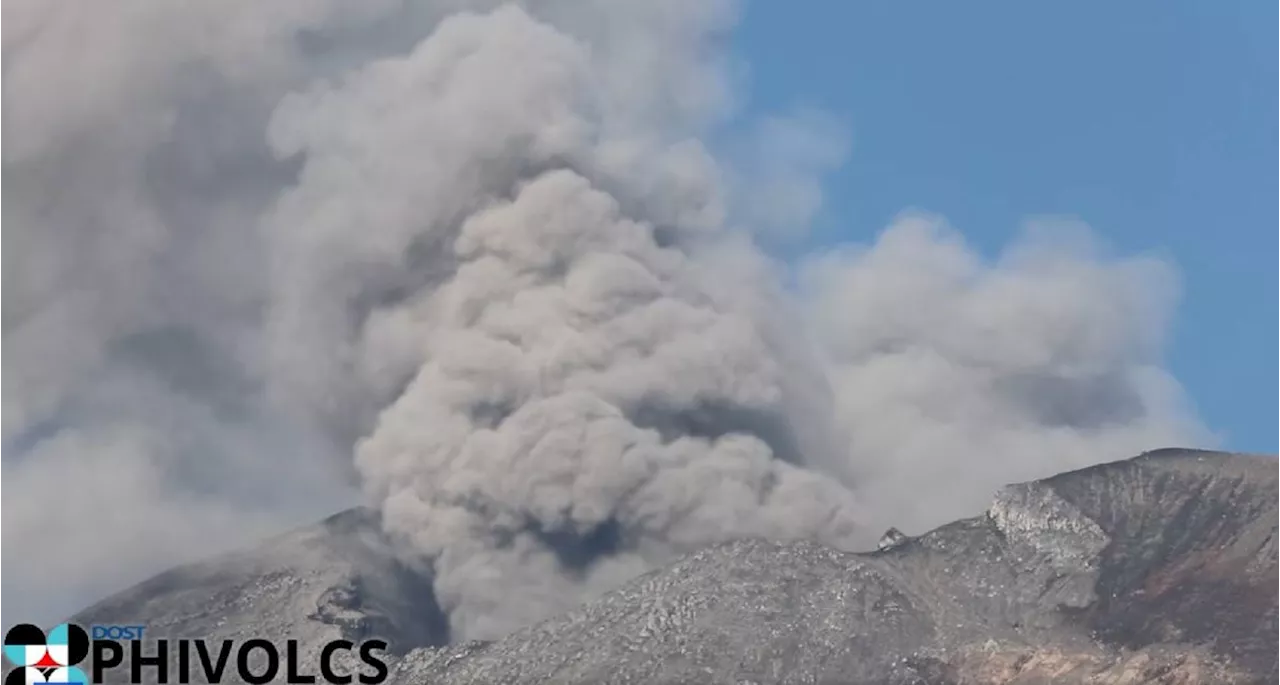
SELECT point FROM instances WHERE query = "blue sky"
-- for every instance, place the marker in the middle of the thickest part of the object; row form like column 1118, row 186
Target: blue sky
column 1154, row 121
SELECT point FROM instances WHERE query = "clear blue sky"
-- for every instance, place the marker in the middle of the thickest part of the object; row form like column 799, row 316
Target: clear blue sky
column 1154, row 121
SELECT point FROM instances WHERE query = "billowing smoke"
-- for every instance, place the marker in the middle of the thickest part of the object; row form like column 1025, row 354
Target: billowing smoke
column 473, row 261
column 952, row 374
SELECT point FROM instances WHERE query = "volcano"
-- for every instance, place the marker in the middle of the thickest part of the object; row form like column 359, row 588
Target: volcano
column 1157, row 569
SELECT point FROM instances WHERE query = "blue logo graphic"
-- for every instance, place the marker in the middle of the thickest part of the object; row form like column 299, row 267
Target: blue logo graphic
column 44, row 658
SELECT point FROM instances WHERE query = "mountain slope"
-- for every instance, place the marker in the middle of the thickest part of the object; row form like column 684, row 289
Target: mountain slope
column 336, row 579
column 1157, row 569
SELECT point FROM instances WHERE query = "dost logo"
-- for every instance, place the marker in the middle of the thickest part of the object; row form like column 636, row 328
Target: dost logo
column 44, row 658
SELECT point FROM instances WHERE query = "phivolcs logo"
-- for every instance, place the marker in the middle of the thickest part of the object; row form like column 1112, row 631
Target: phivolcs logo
column 44, row 658
column 53, row 658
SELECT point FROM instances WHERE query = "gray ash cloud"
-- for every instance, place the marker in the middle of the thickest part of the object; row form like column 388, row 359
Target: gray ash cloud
column 473, row 263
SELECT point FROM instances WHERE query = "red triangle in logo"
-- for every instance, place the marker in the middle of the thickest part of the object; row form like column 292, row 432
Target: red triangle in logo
column 46, row 661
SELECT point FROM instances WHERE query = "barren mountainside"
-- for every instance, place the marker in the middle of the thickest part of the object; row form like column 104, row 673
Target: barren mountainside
column 335, row 579
column 1157, row 569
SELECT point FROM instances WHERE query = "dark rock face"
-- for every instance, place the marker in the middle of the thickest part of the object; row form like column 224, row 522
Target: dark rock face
column 1158, row 569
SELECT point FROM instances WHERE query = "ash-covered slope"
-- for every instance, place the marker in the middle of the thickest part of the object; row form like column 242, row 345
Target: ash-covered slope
column 336, row 579
column 1160, row 569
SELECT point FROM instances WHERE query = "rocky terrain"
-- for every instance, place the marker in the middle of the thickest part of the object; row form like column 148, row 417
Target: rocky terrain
column 337, row 579
column 1157, row 569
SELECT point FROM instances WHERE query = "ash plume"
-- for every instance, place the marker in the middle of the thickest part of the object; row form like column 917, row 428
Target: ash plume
column 473, row 262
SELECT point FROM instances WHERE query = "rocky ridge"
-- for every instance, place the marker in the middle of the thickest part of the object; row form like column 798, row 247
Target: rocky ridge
column 1157, row 569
